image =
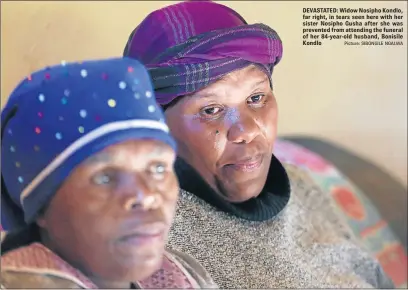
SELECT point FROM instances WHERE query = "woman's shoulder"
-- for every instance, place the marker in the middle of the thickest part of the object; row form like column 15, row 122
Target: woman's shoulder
column 19, row 270
column 31, row 266
column 316, row 210
column 25, row 280
column 192, row 268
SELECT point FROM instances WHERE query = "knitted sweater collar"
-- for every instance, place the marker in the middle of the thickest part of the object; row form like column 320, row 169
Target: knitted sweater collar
column 270, row 202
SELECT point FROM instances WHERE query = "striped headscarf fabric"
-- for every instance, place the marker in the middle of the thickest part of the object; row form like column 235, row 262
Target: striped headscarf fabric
column 59, row 116
column 189, row 45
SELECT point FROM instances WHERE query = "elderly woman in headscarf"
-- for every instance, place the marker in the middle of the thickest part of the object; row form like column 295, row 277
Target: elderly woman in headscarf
column 250, row 220
column 88, row 186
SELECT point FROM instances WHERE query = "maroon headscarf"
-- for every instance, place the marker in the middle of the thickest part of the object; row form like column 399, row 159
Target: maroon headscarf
column 187, row 46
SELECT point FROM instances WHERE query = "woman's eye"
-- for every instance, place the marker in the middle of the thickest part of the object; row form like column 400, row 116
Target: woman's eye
column 211, row 111
column 256, row 99
column 158, row 170
column 102, row 179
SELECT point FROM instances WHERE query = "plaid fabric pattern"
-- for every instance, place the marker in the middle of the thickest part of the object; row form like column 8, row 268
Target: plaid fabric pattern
column 203, row 59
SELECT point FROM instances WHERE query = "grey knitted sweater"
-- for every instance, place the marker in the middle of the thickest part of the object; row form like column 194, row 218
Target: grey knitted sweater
column 307, row 245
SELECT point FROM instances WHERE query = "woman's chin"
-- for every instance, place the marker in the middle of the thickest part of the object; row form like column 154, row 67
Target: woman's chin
column 242, row 196
column 243, row 191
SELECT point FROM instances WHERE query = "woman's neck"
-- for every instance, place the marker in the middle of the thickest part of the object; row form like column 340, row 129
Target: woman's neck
column 270, row 202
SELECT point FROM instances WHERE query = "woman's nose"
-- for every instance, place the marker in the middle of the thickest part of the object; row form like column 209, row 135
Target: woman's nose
column 140, row 195
column 244, row 129
column 147, row 202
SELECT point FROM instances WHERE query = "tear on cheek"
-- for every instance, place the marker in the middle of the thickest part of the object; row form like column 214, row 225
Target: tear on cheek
column 216, row 143
column 267, row 132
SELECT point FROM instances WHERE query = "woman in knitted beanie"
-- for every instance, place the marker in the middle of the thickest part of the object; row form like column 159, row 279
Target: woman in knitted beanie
column 88, row 186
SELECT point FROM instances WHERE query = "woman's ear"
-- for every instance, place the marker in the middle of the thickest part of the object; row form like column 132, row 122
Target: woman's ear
column 41, row 220
column 41, row 223
column 2, row 236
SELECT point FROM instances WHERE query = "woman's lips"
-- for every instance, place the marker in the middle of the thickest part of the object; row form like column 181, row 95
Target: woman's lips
column 146, row 234
column 247, row 164
column 138, row 240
